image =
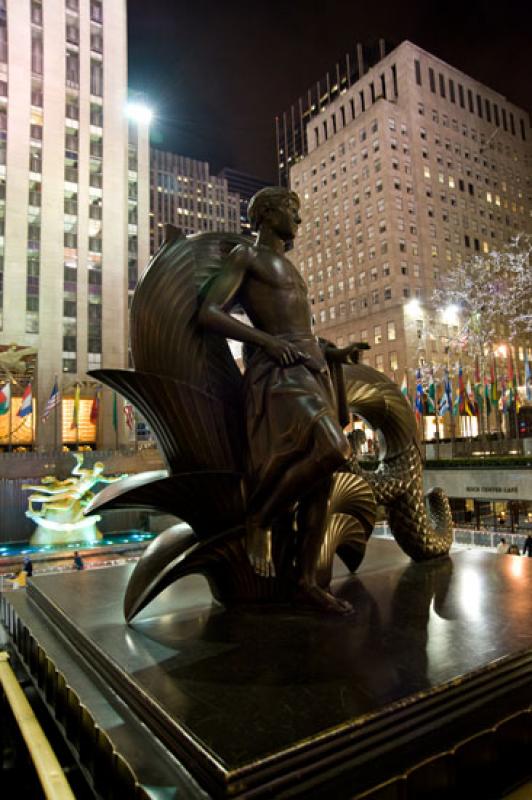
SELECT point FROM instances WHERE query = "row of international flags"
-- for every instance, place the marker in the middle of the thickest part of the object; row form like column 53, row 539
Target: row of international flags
column 53, row 402
column 490, row 392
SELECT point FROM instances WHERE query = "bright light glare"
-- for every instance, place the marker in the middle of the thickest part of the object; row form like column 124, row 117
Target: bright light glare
column 413, row 308
column 450, row 315
column 502, row 350
column 139, row 113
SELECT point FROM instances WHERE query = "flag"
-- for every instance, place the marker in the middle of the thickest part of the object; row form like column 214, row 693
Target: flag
column 5, row 398
column 528, row 377
column 404, row 386
column 503, row 399
column 115, row 412
column 75, row 410
column 493, row 382
column 512, row 379
column 487, row 395
column 446, row 402
column 419, row 394
column 129, row 415
column 471, row 408
column 52, row 402
column 95, row 409
column 26, row 406
column 464, row 406
column 431, row 394
column 479, row 402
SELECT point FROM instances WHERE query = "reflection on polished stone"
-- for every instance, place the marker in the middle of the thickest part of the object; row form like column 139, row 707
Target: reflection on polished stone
column 286, row 676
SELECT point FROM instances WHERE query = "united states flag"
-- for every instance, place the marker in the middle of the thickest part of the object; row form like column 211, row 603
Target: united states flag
column 53, row 402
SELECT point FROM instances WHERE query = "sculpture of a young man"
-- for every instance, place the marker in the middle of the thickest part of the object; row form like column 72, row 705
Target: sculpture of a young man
column 294, row 431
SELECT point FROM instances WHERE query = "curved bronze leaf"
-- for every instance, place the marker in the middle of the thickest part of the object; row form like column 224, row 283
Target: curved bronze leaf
column 194, row 429
column 209, row 501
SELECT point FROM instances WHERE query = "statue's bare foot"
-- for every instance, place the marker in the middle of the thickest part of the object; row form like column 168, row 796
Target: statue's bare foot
column 310, row 596
column 259, row 548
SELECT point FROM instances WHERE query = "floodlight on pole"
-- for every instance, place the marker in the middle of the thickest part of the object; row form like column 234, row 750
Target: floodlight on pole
column 450, row 314
column 139, row 113
column 413, row 308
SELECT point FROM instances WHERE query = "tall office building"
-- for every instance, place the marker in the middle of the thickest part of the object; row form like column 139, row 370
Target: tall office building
column 245, row 186
column 185, row 194
column 291, row 126
column 413, row 168
column 73, row 200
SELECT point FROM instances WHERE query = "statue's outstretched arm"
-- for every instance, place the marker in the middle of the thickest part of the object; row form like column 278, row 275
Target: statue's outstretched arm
column 345, row 355
column 58, row 489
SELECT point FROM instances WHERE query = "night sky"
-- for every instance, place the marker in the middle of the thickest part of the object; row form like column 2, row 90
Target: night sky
column 217, row 72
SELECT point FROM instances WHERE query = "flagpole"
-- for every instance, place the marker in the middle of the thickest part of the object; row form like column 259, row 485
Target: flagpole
column 515, row 386
column 437, row 423
column 9, row 441
column 56, row 413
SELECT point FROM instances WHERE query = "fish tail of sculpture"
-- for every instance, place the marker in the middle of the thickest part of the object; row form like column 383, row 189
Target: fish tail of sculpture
column 421, row 525
column 422, row 532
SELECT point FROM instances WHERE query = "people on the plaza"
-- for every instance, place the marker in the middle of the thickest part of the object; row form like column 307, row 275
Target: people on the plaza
column 27, row 566
column 527, row 548
column 78, row 561
column 502, row 547
column 513, row 550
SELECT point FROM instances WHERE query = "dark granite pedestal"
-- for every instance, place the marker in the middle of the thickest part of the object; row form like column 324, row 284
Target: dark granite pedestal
column 424, row 691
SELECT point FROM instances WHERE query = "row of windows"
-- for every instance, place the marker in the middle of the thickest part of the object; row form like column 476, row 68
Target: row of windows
column 358, row 305
column 472, row 101
column 382, row 87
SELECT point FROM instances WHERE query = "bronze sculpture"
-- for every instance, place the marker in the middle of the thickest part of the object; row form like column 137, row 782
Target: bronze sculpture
column 59, row 515
column 268, row 502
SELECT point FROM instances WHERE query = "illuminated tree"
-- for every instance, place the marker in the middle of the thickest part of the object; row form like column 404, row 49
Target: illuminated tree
column 493, row 296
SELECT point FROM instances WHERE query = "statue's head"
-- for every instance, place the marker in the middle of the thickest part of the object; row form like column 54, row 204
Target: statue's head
column 276, row 207
column 98, row 467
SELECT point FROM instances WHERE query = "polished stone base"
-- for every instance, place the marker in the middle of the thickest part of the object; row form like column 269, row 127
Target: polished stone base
column 426, row 685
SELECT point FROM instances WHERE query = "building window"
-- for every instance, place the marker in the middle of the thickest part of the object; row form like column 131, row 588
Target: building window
column 417, row 68
column 96, row 78
column 96, row 11
column 442, row 84
column 72, row 69
column 451, row 91
column 393, row 360
column 36, row 53
column 432, row 80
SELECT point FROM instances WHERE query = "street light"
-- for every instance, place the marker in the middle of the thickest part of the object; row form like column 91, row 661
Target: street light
column 413, row 308
column 139, row 113
column 450, row 314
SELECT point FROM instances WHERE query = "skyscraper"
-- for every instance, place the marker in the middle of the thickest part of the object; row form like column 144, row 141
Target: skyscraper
column 291, row 126
column 185, row 194
column 415, row 167
column 74, row 194
column 245, row 186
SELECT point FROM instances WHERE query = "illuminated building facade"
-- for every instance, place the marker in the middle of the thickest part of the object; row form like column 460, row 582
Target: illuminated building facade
column 291, row 126
column 413, row 168
column 73, row 194
column 185, row 194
